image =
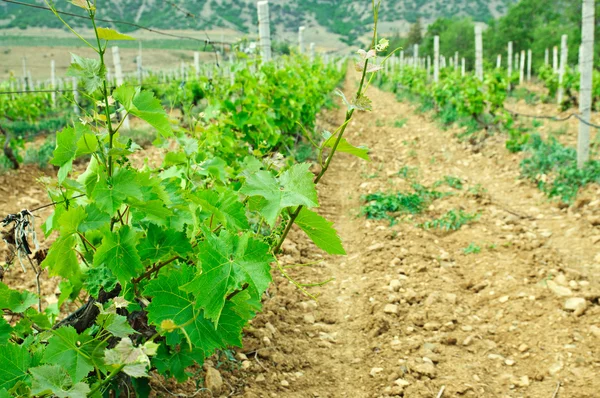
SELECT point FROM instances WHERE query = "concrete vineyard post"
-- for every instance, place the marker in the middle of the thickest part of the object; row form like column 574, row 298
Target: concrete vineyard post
column 555, row 59
column 585, row 92
column 140, row 70
column 463, row 68
column 53, row 82
column 301, row 39
column 509, row 60
column 499, row 61
column 26, row 83
column 564, row 52
column 428, row 67
column 415, row 56
column 478, row 52
column 436, row 59
column 75, row 84
column 529, row 54
column 522, row 67
column 456, row 60
column 312, row 53
column 517, row 63
column 197, row 63
column 546, row 56
column 264, row 30
column 119, row 76
column 580, row 58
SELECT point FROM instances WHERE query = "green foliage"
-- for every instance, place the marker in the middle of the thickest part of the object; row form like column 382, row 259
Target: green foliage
column 553, row 167
column 173, row 259
column 472, row 249
column 381, row 206
column 452, row 182
column 451, row 221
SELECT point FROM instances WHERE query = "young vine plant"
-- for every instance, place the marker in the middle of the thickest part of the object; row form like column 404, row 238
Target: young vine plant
column 173, row 261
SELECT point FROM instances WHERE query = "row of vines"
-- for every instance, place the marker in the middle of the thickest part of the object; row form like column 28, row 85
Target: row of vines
column 172, row 261
column 480, row 108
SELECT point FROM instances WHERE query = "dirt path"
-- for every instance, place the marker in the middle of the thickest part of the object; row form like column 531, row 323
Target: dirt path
column 409, row 312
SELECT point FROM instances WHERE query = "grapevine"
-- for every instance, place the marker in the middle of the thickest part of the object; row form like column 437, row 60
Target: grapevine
column 173, row 261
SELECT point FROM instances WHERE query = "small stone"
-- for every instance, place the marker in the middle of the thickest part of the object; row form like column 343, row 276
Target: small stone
column 523, row 347
column 395, row 285
column 401, row 383
column 561, row 279
column 576, row 304
column 573, row 285
column 509, row 362
column 495, row 357
column 213, row 381
column 260, row 378
column 425, row 369
column 285, row 383
column 432, row 326
column 468, row 340
column 555, row 368
column 246, row 365
column 390, row 309
column 560, row 291
column 375, row 371
column 595, row 330
column 523, row 381
column 375, row 247
column 309, row 318
column 503, row 299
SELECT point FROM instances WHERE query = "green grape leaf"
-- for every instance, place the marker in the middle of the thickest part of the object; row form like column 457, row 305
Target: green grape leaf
column 172, row 363
column 135, row 359
column 99, row 278
column 62, row 258
column 66, row 146
column 54, row 379
column 111, row 34
column 78, row 354
column 5, row 331
column 150, row 211
column 320, row 231
column 171, row 304
column 294, row 187
column 70, row 220
column 14, row 300
column 91, row 71
column 160, row 242
column 118, row 252
column 224, row 207
column 345, row 146
column 144, row 105
column 228, row 262
column 95, row 218
column 110, row 196
column 16, row 361
column 115, row 324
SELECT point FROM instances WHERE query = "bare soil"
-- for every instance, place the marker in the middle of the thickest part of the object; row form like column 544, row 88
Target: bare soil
column 408, row 313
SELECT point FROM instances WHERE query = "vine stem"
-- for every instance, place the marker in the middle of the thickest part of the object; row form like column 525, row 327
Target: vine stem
column 107, row 380
column 324, row 169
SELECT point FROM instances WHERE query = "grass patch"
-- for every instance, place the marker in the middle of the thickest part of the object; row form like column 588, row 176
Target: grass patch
column 382, row 206
column 472, row 249
column 451, row 221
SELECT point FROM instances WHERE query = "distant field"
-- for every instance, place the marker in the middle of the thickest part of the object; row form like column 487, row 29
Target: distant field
column 46, row 41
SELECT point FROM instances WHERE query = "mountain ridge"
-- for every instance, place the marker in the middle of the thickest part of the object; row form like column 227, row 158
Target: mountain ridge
column 348, row 19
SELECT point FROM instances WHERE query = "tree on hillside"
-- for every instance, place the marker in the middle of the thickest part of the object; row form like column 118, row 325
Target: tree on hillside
column 415, row 34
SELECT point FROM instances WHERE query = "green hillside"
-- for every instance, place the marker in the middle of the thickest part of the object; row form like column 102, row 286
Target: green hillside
column 348, row 18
